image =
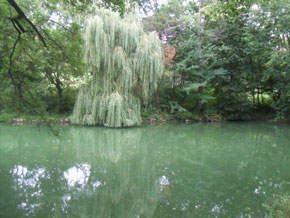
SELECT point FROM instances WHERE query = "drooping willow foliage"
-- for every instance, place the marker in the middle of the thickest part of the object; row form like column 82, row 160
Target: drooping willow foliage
column 126, row 64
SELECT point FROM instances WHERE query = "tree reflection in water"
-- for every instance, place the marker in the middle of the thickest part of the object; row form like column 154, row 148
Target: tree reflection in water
column 112, row 176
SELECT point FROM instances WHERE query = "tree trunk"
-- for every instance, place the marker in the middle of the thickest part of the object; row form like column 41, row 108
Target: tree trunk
column 253, row 95
column 20, row 94
column 288, row 40
column 59, row 88
column 156, row 100
column 258, row 96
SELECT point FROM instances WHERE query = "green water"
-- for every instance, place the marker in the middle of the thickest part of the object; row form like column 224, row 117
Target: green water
column 172, row 170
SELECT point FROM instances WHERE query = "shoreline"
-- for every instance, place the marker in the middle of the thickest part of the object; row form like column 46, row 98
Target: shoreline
column 145, row 121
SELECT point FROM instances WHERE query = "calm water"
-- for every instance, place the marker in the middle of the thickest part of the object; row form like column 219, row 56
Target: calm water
column 172, row 170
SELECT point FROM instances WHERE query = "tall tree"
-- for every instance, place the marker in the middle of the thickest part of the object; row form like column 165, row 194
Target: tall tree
column 199, row 45
column 126, row 64
column 195, row 59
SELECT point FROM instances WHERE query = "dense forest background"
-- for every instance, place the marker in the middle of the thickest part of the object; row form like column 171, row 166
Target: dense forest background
column 223, row 59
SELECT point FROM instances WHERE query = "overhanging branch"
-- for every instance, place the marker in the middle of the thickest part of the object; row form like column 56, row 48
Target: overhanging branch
column 21, row 15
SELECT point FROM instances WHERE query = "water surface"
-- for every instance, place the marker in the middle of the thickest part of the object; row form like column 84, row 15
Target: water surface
column 170, row 170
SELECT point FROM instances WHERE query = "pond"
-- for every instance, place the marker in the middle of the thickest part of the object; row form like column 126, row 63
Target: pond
column 169, row 170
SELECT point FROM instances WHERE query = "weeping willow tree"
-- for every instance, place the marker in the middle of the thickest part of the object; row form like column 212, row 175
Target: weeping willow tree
column 126, row 64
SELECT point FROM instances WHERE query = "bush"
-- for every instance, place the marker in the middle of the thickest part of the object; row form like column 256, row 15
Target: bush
column 234, row 106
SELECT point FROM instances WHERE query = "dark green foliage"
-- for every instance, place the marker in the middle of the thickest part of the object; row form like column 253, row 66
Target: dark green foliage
column 234, row 106
column 278, row 74
column 239, row 65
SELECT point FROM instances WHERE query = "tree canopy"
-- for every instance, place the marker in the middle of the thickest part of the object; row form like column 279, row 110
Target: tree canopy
column 223, row 59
